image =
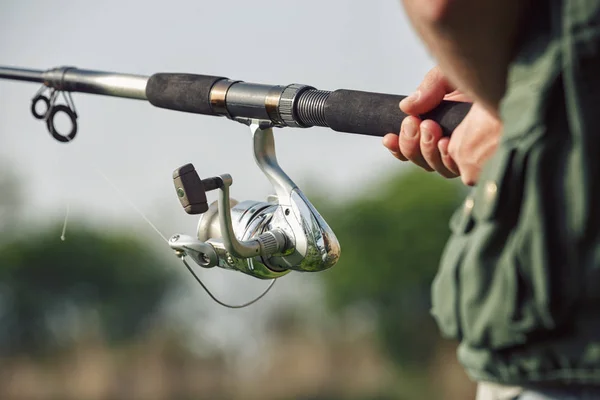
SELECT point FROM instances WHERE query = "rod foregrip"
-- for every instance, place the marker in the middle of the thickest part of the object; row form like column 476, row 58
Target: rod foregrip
column 377, row 114
column 182, row 92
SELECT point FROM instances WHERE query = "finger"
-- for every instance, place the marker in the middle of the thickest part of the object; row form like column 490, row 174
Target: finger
column 429, row 94
column 390, row 141
column 431, row 133
column 448, row 161
column 410, row 142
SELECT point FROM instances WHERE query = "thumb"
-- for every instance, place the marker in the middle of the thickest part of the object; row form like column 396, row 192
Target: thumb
column 429, row 95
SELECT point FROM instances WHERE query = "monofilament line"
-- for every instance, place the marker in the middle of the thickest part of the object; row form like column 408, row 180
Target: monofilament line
column 64, row 230
column 133, row 206
column 189, row 268
column 123, row 197
column 145, row 218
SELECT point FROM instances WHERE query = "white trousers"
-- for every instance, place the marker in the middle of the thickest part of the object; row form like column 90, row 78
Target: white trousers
column 491, row 391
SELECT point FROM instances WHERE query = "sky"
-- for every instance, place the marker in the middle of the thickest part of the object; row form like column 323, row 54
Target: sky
column 334, row 44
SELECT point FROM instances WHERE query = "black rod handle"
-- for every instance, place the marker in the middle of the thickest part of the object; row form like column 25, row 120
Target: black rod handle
column 181, row 92
column 377, row 114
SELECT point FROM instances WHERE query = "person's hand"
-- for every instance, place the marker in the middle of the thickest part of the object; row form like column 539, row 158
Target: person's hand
column 421, row 142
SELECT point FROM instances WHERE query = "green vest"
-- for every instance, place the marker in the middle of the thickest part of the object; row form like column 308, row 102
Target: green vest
column 519, row 281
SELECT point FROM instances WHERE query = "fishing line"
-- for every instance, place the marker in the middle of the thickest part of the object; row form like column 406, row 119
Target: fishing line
column 189, row 268
column 64, row 230
column 94, row 167
column 125, row 198
column 210, row 294
column 131, row 204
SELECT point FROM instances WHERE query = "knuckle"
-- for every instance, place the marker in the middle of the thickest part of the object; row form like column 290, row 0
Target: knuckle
column 410, row 145
column 413, row 154
column 429, row 147
column 432, row 156
column 403, row 128
column 453, row 153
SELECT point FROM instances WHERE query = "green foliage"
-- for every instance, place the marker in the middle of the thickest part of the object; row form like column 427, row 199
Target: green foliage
column 10, row 198
column 392, row 239
column 52, row 290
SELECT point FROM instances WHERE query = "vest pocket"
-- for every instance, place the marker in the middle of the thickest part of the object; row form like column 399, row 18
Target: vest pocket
column 511, row 273
column 517, row 278
column 492, row 287
column 446, row 285
column 477, row 292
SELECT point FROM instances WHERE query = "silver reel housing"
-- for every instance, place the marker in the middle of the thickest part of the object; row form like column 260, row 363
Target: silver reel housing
column 266, row 240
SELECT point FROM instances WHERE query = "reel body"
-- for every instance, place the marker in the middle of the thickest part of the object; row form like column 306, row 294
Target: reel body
column 267, row 239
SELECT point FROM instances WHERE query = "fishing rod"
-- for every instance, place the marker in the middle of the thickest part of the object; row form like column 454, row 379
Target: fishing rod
column 298, row 106
column 263, row 239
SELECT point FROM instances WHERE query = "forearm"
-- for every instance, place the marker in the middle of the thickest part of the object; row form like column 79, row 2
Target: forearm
column 472, row 40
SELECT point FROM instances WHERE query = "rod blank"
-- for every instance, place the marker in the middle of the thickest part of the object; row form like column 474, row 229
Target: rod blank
column 20, row 74
column 113, row 84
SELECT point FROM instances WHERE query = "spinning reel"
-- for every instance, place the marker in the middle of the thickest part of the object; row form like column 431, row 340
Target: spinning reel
column 265, row 240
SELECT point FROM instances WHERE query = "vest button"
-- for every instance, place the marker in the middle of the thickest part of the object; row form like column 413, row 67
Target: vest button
column 491, row 189
column 469, row 204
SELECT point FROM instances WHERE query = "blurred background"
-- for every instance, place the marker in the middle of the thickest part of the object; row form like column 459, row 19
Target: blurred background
column 109, row 312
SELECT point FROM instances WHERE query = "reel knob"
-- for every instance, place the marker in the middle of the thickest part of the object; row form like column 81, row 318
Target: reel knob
column 191, row 190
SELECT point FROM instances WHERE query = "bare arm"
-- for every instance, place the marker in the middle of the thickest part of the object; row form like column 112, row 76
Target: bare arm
column 472, row 40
